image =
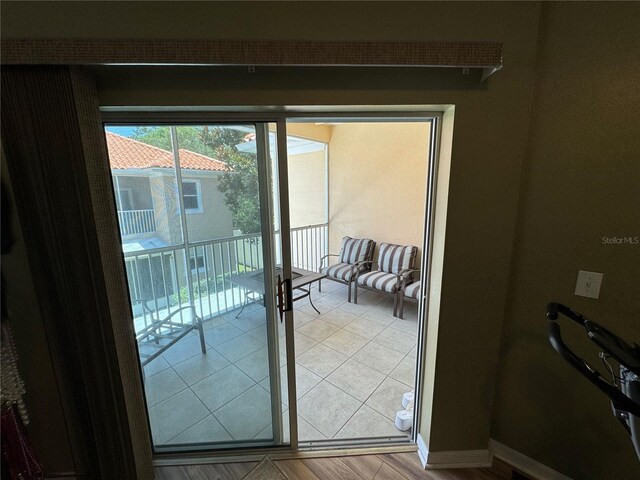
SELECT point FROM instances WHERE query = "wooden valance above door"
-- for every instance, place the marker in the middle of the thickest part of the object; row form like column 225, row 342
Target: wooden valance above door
column 484, row 55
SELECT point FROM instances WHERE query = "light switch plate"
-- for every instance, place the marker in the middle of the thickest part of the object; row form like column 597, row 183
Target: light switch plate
column 588, row 284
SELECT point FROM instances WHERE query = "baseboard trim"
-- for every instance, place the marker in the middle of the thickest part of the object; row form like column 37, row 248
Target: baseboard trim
column 423, row 452
column 453, row 459
column 526, row 465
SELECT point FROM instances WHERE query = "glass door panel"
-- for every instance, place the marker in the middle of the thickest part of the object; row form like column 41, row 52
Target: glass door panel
column 203, row 274
column 351, row 179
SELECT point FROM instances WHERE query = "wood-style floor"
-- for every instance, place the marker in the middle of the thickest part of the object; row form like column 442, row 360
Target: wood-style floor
column 395, row 466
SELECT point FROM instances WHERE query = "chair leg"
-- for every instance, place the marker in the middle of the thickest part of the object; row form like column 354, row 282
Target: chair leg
column 320, row 285
column 203, row 346
column 349, row 291
column 355, row 292
column 395, row 304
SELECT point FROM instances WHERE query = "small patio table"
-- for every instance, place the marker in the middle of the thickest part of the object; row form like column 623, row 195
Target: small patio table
column 254, row 282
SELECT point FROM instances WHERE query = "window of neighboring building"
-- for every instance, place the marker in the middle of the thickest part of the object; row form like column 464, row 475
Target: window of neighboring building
column 192, row 195
column 196, row 262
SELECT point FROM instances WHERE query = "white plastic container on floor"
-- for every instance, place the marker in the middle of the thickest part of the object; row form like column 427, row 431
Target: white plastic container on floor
column 407, row 398
column 404, row 420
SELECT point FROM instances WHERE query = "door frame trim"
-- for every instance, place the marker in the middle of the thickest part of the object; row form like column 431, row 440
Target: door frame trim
column 280, row 115
column 285, row 240
column 281, row 454
column 268, row 257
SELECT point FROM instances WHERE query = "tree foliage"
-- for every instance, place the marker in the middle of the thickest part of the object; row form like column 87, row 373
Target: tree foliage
column 189, row 138
column 239, row 184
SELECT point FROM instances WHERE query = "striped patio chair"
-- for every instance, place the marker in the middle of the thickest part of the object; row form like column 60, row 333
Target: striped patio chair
column 410, row 291
column 395, row 265
column 354, row 257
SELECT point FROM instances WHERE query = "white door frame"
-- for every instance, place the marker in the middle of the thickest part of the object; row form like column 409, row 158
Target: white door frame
column 280, row 115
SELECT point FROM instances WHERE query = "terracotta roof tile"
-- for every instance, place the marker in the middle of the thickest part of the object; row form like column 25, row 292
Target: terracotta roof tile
column 126, row 153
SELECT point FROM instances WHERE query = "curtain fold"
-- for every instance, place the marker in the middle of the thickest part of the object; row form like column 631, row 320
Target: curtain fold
column 52, row 137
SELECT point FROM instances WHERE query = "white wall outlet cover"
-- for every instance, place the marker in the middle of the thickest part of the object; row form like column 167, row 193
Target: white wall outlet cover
column 588, row 284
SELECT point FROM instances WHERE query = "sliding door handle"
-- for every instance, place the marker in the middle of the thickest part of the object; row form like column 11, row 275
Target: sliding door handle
column 289, row 288
column 280, row 299
column 285, row 296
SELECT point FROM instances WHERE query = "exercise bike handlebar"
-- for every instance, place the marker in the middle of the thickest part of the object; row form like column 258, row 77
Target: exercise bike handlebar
column 553, row 308
column 619, row 399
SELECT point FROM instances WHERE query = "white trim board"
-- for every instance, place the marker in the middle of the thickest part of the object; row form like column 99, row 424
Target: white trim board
column 454, row 459
column 526, row 465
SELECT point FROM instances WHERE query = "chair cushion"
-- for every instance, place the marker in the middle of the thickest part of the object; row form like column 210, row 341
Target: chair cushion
column 356, row 250
column 412, row 290
column 387, row 282
column 340, row 271
column 395, row 258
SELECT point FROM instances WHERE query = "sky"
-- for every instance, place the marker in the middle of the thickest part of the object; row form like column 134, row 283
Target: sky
column 124, row 131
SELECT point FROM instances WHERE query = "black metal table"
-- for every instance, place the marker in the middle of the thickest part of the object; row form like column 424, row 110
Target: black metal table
column 254, row 282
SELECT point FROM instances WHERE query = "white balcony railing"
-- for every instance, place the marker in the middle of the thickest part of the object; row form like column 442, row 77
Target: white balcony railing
column 161, row 276
column 136, row 222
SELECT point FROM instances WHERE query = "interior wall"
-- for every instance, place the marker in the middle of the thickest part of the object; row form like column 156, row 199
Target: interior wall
column 487, row 152
column 377, row 186
column 488, row 147
column 582, row 184
column 307, row 189
column 47, row 428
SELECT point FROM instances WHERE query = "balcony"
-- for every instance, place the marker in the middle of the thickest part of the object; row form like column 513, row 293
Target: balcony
column 161, row 279
column 136, row 222
column 358, row 356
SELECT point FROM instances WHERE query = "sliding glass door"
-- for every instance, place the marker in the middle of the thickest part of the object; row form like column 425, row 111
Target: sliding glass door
column 209, row 279
column 223, row 226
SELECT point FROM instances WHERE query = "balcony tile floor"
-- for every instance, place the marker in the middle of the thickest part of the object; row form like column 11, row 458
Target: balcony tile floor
column 353, row 363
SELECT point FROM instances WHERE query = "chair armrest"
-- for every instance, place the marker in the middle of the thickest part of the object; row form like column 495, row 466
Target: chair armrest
column 188, row 307
column 407, row 271
column 403, row 276
column 363, row 262
column 356, row 267
column 143, row 302
column 145, row 307
column 152, row 329
column 325, row 256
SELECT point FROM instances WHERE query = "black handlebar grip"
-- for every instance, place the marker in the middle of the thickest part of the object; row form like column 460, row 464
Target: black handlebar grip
column 552, row 311
column 555, row 338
